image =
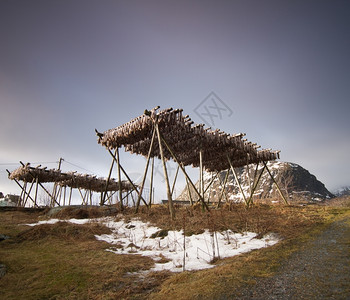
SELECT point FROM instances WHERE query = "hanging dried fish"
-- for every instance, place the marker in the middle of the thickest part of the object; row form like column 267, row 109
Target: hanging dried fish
column 186, row 139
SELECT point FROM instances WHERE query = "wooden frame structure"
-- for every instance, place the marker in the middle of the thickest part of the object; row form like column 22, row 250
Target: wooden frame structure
column 185, row 143
column 86, row 184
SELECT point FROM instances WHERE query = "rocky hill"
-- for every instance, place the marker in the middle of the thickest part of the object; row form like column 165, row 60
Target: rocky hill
column 295, row 182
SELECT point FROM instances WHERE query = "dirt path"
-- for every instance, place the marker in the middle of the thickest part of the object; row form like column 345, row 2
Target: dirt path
column 320, row 270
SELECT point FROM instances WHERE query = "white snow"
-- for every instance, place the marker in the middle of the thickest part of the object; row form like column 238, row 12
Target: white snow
column 50, row 221
column 193, row 252
column 54, row 221
column 198, row 250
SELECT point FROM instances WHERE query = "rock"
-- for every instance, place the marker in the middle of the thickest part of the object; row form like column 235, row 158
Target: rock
column 2, row 270
column 3, row 237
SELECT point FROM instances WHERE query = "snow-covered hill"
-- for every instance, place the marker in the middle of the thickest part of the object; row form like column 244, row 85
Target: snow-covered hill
column 295, row 182
column 344, row 191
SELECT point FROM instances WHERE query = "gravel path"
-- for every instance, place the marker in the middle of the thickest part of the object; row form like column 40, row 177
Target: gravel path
column 320, row 270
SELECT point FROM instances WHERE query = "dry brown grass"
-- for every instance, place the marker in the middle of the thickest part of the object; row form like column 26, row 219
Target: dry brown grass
column 84, row 212
column 63, row 231
column 287, row 221
column 343, row 201
column 65, row 261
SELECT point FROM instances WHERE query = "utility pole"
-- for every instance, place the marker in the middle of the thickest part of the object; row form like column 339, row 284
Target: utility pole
column 55, row 185
column 60, row 163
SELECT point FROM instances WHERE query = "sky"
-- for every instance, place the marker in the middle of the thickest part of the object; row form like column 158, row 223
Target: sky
column 279, row 70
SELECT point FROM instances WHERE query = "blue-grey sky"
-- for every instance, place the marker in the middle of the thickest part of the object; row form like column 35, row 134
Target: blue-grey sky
column 70, row 66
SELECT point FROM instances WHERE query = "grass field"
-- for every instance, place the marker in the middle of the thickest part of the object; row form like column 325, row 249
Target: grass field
column 65, row 261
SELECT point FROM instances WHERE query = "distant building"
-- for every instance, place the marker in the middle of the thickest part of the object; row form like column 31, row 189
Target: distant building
column 9, row 200
column 13, row 198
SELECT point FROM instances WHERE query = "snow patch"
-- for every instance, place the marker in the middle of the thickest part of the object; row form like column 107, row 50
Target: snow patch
column 179, row 252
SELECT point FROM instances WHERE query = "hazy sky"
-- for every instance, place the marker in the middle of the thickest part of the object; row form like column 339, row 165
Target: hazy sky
column 282, row 69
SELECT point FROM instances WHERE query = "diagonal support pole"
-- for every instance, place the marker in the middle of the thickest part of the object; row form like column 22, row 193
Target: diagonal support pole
column 250, row 200
column 248, row 175
column 119, row 179
column 201, row 179
column 146, row 170
column 223, row 187
column 82, row 197
column 274, row 181
column 126, row 175
column 211, row 182
column 183, row 170
column 30, row 189
column 173, row 187
column 170, row 200
column 51, row 196
column 189, row 191
column 103, row 198
column 236, row 178
column 36, row 192
column 151, row 184
column 23, row 190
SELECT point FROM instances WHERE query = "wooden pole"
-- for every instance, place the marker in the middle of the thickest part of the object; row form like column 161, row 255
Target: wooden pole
column 236, row 178
column 103, row 198
column 173, row 187
column 64, row 195
column 70, row 195
column 52, row 198
column 86, row 197
column 127, row 194
column 170, row 200
column 119, row 180
column 183, row 170
column 25, row 193
column 189, row 191
column 250, row 200
column 133, row 200
column 30, row 189
column 110, row 198
column 274, row 181
column 255, row 174
column 82, row 197
column 55, row 184
column 201, row 183
column 126, row 175
column 146, row 170
column 59, row 194
column 209, row 186
column 211, row 181
column 223, row 187
column 151, row 183
column 24, row 189
column 249, row 180
column 36, row 192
